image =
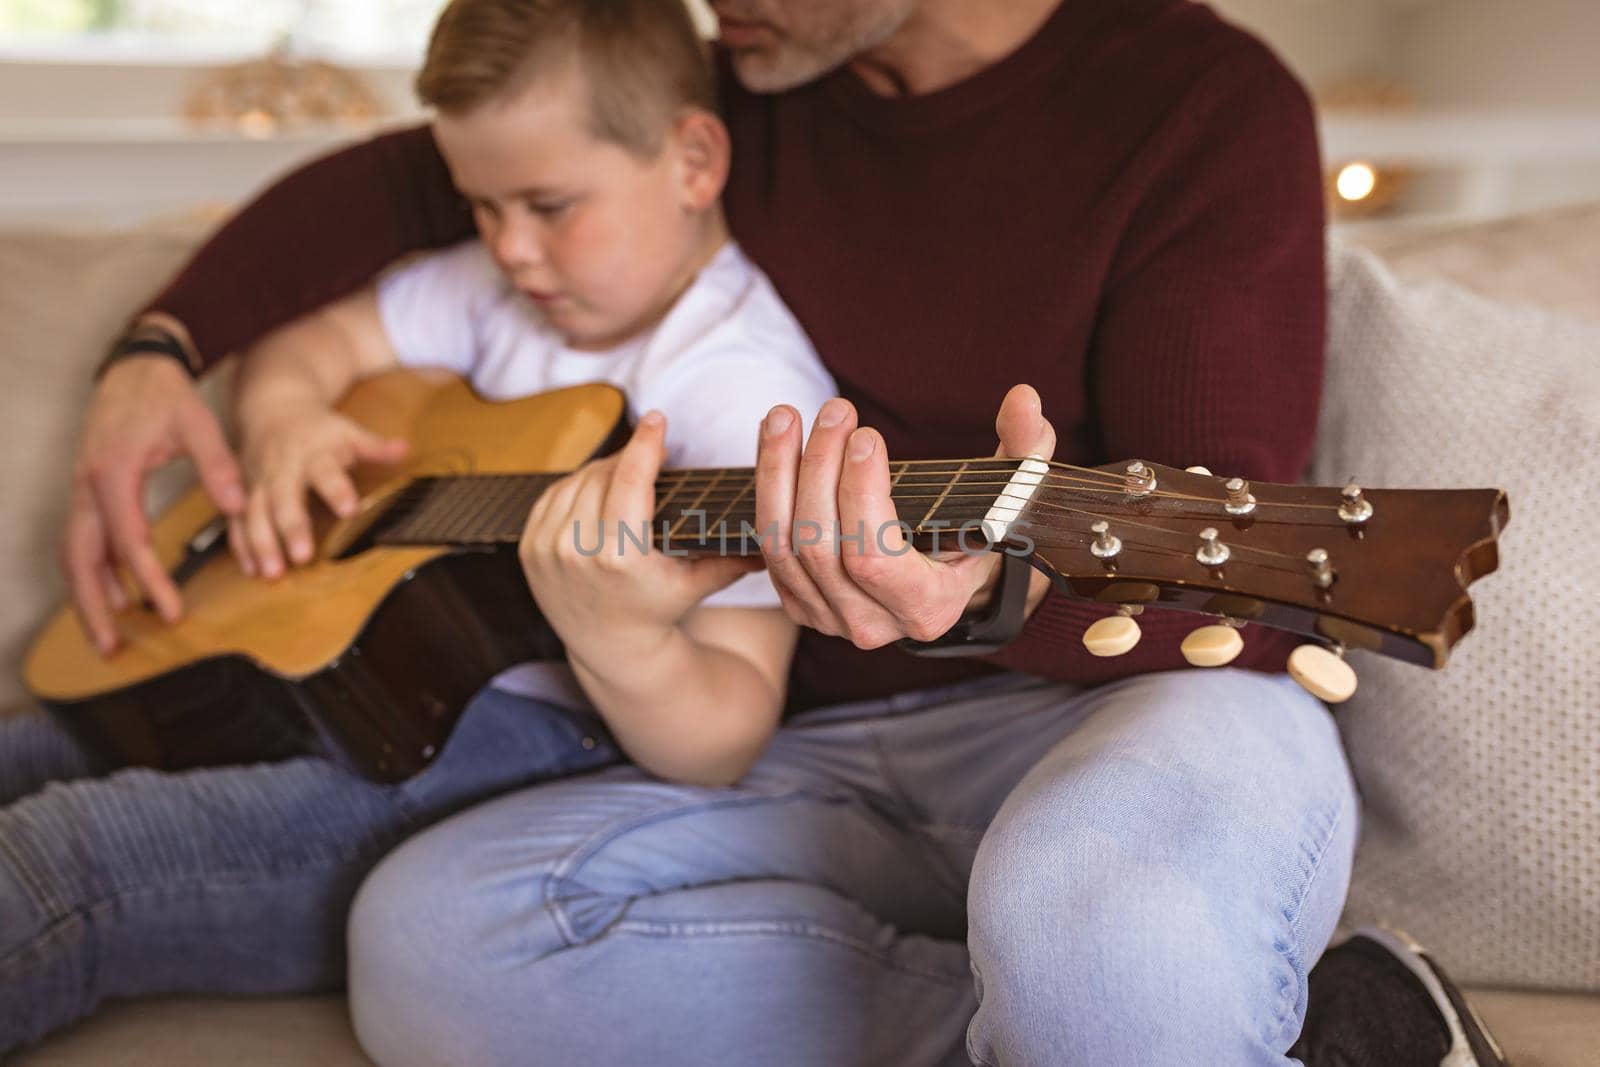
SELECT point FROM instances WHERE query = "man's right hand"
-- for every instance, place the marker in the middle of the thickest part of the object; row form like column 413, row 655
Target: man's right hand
column 145, row 413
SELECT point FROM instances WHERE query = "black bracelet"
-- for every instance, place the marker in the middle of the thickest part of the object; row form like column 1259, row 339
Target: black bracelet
column 143, row 340
column 995, row 628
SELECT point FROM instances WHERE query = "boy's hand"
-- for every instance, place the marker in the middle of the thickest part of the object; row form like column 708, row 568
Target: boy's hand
column 619, row 599
column 284, row 461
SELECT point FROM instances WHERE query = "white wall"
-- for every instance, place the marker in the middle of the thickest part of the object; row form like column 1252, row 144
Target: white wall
column 1503, row 53
column 94, row 144
column 40, row 89
column 1323, row 43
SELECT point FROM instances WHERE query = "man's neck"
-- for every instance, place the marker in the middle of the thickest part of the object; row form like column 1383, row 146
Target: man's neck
column 948, row 41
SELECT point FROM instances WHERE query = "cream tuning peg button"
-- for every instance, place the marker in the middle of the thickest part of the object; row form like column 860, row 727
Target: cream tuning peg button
column 1197, row 470
column 1212, row 646
column 1321, row 673
column 1111, row 636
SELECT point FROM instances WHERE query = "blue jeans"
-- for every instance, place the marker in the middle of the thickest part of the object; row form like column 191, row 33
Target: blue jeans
column 235, row 880
column 1014, row 871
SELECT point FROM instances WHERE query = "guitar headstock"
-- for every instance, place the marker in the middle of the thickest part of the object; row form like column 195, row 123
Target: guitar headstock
column 1385, row 570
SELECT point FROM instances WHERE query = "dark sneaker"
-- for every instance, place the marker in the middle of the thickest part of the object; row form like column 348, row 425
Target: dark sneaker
column 1378, row 1000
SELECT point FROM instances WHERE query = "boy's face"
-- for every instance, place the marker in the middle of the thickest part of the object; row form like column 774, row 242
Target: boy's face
column 600, row 240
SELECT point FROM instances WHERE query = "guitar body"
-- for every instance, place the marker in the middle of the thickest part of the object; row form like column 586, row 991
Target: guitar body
column 368, row 658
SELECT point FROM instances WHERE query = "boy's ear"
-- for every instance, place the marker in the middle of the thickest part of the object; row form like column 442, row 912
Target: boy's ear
column 703, row 154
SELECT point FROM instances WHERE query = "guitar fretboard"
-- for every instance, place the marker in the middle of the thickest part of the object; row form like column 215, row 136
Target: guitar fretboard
column 696, row 509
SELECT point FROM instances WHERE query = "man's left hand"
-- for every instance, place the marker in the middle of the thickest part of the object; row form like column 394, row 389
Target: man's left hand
column 870, row 590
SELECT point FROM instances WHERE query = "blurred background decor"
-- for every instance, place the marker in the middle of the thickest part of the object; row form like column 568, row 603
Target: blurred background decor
column 117, row 112
column 1465, row 110
column 263, row 96
column 1362, row 188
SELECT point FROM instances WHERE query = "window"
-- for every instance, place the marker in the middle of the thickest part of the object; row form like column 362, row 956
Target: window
column 372, row 31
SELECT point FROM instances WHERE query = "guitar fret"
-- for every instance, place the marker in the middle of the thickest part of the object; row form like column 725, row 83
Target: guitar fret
column 508, row 516
column 502, row 497
column 683, row 514
column 946, row 492
column 478, row 502
column 419, row 526
column 520, row 494
column 531, row 489
column 664, row 502
column 469, row 504
column 722, row 520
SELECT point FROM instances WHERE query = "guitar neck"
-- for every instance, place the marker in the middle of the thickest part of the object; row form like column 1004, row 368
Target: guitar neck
column 697, row 509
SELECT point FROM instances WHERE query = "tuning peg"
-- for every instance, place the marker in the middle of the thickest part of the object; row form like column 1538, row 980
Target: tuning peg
column 1197, row 470
column 1139, row 480
column 1240, row 500
column 1354, row 508
column 1216, row 645
column 1114, row 634
column 1106, row 545
column 1323, row 674
column 1212, row 552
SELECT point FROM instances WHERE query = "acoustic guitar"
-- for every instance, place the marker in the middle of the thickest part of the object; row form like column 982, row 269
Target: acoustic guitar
column 369, row 653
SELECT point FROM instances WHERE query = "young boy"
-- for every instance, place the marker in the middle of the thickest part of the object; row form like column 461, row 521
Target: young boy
column 584, row 138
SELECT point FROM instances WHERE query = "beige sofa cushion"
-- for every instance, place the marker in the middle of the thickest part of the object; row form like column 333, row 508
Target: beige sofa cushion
column 1549, row 260
column 1482, row 799
column 1535, row 1029
column 62, row 298
column 265, row 1032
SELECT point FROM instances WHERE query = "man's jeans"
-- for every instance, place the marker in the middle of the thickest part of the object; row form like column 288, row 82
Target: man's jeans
column 1139, row 874
column 235, row 880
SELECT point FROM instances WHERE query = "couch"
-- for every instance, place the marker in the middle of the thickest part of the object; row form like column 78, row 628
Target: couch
column 62, row 294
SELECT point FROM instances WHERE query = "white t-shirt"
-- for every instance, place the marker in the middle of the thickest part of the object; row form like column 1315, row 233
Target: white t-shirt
column 715, row 364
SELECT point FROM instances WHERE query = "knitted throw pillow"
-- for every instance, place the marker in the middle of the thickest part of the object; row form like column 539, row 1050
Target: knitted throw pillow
column 1481, row 783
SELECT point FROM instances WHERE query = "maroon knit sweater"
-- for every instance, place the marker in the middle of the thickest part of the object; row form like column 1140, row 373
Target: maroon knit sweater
column 1125, row 213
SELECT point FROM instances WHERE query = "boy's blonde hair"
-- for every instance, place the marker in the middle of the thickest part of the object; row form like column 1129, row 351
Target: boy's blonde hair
column 642, row 60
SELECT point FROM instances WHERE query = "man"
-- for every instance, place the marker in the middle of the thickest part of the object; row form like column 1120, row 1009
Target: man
column 1116, row 201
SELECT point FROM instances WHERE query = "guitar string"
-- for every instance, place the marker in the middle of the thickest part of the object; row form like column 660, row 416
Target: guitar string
column 404, row 511
column 1102, row 480
column 1122, row 524
column 406, row 506
column 1232, row 546
column 716, row 496
column 1108, row 481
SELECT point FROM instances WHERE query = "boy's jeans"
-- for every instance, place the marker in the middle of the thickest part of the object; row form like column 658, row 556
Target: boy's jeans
column 235, row 880
column 1027, row 873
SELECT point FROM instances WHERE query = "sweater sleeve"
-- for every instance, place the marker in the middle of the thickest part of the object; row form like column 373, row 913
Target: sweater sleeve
column 314, row 236
column 1209, row 344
